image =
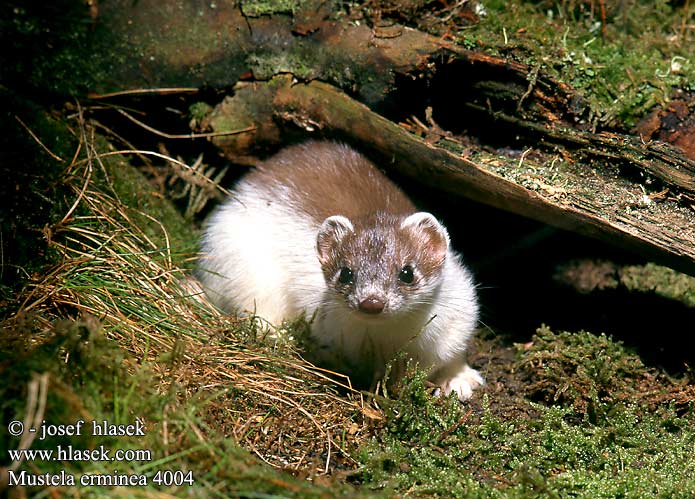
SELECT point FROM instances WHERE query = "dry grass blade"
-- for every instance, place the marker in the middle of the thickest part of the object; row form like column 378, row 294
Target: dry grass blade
column 38, row 141
column 146, row 91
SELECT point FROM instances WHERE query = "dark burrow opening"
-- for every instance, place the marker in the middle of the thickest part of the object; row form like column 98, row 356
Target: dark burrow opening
column 521, row 267
column 465, row 98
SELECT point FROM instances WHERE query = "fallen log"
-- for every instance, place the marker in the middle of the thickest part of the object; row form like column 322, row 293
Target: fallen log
column 593, row 200
column 604, row 185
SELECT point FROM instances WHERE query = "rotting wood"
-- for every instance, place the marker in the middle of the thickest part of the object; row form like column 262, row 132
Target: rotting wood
column 665, row 162
column 666, row 235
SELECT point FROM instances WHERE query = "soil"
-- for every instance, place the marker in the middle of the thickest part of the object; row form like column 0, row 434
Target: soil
column 496, row 358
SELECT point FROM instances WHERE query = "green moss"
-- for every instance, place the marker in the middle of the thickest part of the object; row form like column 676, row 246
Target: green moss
column 257, row 8
column 418, row 416
column 33, row 195
column 621, row 76
column 57, row 47
column 230, row 115
column 432, row 449
column 630, row 455
column 588, row 372
column 660, row 280
column 85, row 385
column 199, row 110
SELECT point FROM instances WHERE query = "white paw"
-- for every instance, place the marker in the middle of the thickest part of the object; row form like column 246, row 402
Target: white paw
column 463, row 383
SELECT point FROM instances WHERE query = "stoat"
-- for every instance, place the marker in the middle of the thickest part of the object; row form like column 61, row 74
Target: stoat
column 318, row 230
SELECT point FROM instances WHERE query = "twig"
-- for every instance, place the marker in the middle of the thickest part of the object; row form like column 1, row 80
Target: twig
column 532, row 79
column 97, row 124
column 152, row 153
column 88, row 170
column 684, row 24
column 144, row 91
column 455, row 426
column 185, row 135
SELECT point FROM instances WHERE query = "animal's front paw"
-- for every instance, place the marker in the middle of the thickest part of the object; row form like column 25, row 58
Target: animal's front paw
column 463, row 383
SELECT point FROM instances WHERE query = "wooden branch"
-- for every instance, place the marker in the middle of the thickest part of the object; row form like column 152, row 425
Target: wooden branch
column 662, row 232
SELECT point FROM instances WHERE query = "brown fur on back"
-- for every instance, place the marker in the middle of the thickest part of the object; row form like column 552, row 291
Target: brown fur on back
column 323, row 179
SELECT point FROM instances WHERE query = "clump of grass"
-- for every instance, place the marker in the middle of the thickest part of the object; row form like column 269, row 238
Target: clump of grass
column 124, row 334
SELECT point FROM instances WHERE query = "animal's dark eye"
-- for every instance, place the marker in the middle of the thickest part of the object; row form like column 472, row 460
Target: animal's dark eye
column 406, row 275
column 346, row 276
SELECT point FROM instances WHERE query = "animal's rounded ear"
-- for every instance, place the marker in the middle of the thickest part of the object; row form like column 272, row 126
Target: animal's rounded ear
column 431, row 235
column 332, row 231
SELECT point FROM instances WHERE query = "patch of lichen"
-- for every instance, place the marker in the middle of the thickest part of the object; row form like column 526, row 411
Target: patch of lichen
column 296, row 61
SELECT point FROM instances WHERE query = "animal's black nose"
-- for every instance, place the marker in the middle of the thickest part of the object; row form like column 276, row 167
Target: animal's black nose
column 372, row 305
